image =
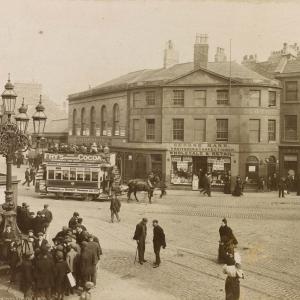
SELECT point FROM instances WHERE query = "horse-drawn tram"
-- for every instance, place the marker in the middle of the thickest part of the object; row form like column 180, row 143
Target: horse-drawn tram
column 85, row 175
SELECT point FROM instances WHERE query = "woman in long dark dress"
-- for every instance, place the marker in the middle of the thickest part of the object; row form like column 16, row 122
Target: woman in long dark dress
column 238, row 189
column 227, row 184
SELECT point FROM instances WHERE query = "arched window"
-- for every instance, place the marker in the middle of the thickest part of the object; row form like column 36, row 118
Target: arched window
column 93, row 121
column 83, row 124
column 116, row 120
column 103, row 120
column 74, row 122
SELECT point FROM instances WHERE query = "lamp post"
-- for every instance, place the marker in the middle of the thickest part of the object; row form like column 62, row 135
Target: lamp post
column 13, row 138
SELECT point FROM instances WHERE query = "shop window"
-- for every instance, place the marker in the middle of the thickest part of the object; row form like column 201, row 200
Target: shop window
column 135, row 129
column 290, row 164
column 116, row 120
column 254, row 98
column 150, row 98
column 291, row 91
column 222, row 130
column 199, row 98
column 271, row 130
column 254, row 131
column 178, row 97
column 51, row 174
column 272, row 98
column 150, row 129
column 181, row 170
column 223, row 97
column 200, row 130
column 156, row 163
column 178, row 129
column 290, row 127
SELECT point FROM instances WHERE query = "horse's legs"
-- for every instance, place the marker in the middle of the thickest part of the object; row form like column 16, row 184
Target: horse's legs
column 150, row 195
column 128, row 195
column 137, row 200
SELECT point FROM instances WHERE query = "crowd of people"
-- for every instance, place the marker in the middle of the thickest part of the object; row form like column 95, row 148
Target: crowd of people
column 56, row 269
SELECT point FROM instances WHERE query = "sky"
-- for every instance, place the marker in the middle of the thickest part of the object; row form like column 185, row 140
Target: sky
column 69, row 45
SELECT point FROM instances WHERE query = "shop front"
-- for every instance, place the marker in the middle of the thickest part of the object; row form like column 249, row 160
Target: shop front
column 189, row 161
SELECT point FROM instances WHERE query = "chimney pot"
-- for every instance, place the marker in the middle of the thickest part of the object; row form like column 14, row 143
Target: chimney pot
column 171, row 56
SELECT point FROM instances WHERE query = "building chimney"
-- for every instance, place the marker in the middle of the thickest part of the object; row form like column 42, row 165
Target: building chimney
column 201, row 51
column 171, row 56
column 220, row 55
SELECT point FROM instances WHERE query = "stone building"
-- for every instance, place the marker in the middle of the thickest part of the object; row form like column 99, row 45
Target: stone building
column 216, row 116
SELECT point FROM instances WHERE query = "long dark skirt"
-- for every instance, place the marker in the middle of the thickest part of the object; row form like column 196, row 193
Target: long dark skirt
column 232, row 288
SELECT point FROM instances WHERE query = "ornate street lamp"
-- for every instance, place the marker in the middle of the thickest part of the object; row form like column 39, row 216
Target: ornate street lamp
column 39, row 121
column 13, row 138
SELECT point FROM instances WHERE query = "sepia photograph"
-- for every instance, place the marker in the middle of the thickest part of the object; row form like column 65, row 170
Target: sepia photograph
column 149, row 149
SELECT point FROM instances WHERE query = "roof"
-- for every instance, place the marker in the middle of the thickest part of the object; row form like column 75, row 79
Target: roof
column 293, row 66
column 59, row 125
column 162, row 76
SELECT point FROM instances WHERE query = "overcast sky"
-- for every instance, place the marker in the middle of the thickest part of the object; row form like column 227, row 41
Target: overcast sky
column 68, row 45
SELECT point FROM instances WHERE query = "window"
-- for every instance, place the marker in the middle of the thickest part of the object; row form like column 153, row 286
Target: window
column 93, row 121
column 103, row 120
column 178, row 97
column 291, row 91
column 200, row 130
column 254, row 99
column 223, row 97
column 79, row 175
column 116, row 120
column 74, row 124
column 135, row 129
column 272, row 98
column 222, row 130
column 200, row 98
column 65, row 175
column 95, row 176
column 87, row 175
column 254, row 131
column 82, row 121
column 178, row 129
column 290, row 127
column 150, row 129
column 136, row 99
column 51, row 174
column 150, row 98
column 58, row 175
column 72, row 174
column 271, row 130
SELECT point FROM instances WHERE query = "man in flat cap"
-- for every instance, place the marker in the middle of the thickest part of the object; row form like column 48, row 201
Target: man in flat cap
column 159, row 241
column 140, row 237
column 74, row 220
column 48, row 217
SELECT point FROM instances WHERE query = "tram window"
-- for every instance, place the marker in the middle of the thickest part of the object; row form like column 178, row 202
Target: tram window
column 87, row 176
column 51, row 174
column 65, row 175
column 72, row 175
column 94, row 176
column 80, row 176
column 58, row 175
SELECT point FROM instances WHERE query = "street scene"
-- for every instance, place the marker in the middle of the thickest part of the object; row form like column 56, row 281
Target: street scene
column 150, row 150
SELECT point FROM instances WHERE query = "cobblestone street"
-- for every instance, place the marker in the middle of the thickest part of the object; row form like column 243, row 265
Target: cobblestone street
column 265, row 226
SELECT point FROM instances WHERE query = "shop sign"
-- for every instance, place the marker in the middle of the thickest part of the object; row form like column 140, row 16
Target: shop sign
column 98, row 133
column 218, row 167
column 187, row 158
column 201, row 149
column 176, row 158
column 182, row 165
column 108, row 132
column 290, row 157
column 122, row 132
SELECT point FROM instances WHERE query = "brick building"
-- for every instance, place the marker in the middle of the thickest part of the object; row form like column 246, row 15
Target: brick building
column 218, row 116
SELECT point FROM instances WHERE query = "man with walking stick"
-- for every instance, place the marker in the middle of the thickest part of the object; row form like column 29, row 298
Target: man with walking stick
column 140, row 237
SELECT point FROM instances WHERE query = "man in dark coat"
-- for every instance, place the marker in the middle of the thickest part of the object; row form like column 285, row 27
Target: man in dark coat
column 27, row 177
column 159, row 241
column 48, row 216
column 74, row 220
column 61, row 271
column 26, row 271
column 140, row 237
column 39, row 223
column 281, row 187
column 44, row 273
column 88, row 261
column 40, row 243
column 81, row 235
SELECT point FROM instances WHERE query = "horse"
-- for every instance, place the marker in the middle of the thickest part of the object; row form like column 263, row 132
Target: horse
column 138, row 185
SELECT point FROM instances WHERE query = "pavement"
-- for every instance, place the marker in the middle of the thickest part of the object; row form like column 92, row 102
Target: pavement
column 266, row 228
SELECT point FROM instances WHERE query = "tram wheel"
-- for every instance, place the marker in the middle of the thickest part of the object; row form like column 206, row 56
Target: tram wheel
column 88, row 198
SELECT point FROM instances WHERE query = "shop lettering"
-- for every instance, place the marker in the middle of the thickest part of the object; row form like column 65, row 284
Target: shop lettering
column 79, row 157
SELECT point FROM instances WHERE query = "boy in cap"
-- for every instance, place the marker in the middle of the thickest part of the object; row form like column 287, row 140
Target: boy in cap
column 74, row 220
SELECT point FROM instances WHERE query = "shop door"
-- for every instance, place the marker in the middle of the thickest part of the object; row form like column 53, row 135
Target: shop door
column 252, row 169
column 199, row 163
column 140, row 166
